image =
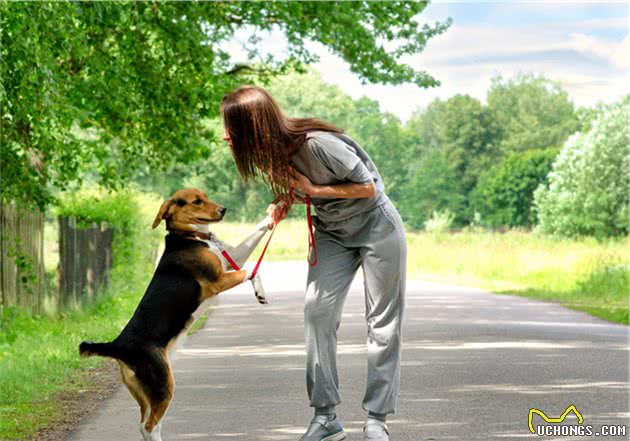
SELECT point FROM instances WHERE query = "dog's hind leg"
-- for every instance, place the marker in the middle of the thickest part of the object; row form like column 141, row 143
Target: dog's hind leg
column 160, row 399
column 131, row 381
column 153, row 426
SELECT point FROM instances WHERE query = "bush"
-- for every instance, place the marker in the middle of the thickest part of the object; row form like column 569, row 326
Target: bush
column 440, row 222
column 505, row 193
column 588, row 190
column 129, row 213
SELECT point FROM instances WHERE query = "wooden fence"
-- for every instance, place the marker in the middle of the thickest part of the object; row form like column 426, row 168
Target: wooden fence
column 22, row 258
column 85, row 260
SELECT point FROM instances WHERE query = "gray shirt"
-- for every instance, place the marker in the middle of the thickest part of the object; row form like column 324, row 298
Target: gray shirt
column 328, row 158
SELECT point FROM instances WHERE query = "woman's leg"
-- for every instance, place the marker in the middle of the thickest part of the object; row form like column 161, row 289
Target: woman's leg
column 328, row 284
column 384, row 259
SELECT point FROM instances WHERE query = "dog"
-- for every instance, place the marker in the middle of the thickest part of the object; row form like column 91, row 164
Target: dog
column 188, row 273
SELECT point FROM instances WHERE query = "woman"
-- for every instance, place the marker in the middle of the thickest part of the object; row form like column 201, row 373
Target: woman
column 356, row 225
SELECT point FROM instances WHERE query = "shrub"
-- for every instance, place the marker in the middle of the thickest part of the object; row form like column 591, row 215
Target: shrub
column 588, row 190
column 129, row 213
column 440, row 222
column 505, row 193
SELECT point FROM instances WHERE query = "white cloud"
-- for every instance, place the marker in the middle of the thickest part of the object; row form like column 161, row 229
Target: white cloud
column 617, row 23
column 465, row 58
column 582, row 55
column 616, row 53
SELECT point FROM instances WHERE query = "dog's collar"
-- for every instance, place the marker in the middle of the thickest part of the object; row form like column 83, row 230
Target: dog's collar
column 187, row 233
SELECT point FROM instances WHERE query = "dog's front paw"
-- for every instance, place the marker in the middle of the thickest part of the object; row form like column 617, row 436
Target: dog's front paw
column 259, row 291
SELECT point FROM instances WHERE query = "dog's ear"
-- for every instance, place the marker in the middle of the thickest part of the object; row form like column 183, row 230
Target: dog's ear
column 163, row 211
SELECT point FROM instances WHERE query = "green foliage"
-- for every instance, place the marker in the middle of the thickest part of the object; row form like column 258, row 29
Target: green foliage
column 532, row 112
column 431, row 186
column 504, row 193
column 129, row 213
column 524, row 113
column 588, row 187
column 109, row 88
column 463, row 129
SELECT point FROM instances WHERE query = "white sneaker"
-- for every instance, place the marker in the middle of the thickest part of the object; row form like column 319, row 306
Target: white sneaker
column 375, row 430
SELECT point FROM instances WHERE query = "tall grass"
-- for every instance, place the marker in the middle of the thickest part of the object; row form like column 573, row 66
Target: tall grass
column 583, row 274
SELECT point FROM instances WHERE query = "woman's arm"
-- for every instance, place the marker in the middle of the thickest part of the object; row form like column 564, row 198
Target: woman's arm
column 350, row 190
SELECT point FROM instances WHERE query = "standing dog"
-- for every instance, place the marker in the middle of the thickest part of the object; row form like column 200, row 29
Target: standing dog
column 188, row 273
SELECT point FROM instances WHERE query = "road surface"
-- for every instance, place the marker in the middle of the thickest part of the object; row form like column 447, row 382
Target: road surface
column 474, row 363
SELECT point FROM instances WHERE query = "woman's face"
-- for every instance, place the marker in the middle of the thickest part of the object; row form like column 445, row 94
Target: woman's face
column 226, row 137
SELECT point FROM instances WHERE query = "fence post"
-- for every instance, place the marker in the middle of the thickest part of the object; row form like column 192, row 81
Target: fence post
column 85, row 261
column 21, row 235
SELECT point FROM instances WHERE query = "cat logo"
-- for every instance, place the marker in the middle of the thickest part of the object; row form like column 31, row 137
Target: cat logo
column 560, row 419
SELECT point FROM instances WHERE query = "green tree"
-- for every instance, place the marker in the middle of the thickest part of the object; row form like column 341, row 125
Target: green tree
column 504, row 193
column 463, row 130
column 532, row 112
column 588, row 187
column 111, row 87
column 432, row 186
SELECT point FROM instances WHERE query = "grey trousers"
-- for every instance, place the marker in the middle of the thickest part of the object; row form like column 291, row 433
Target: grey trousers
column 375, row 241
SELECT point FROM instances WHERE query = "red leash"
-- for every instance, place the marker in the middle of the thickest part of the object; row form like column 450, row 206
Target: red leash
column 311, row 239
column 311, row 235
column 234, row 265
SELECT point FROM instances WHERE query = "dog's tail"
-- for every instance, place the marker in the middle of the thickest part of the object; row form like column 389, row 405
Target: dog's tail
column 89, row 348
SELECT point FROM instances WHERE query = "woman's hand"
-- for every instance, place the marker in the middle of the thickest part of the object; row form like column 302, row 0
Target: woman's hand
column 300, row 182
column 275, row 211
column 347, row 190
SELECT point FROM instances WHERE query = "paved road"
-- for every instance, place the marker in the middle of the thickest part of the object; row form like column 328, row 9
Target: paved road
column 474, row 363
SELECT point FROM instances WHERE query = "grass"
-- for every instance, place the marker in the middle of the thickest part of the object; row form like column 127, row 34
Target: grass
column 39, row 358
column 583, row 274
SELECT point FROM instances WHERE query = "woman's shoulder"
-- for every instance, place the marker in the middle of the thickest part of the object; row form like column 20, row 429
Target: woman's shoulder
column 319, row 139
column 323, row 144
column 321, row 135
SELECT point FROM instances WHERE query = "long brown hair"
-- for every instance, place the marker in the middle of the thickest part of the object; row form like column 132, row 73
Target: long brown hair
column 263, row 139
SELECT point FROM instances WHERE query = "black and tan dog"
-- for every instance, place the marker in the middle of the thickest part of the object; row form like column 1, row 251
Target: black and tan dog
column 187, row 274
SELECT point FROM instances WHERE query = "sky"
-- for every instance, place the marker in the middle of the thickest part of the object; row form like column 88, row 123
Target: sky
column 583, row 45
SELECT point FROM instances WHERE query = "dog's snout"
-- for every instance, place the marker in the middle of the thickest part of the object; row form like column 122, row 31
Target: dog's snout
column 222, row 211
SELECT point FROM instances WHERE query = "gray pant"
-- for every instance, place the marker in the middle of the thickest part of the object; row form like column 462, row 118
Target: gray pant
column 374, row 240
